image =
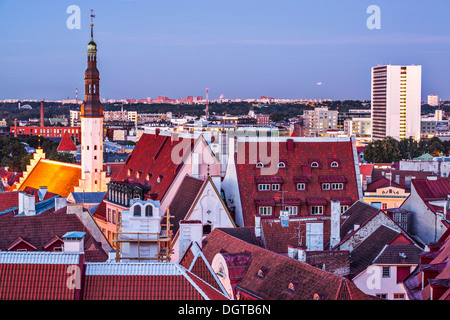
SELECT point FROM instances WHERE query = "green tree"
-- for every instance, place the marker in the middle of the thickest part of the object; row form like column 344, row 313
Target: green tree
column 409, row 148
column 386, row 150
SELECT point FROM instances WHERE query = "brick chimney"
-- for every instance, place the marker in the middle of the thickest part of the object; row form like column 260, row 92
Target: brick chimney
column 42, row 113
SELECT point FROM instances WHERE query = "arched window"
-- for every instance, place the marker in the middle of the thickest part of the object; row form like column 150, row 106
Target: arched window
column 334, row 164
column 137, row 211
column 149, row 211
column 281, row 165
column 259, row 165
column 314, row 165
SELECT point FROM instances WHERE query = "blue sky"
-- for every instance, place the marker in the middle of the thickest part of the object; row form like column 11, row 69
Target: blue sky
column 238, row 48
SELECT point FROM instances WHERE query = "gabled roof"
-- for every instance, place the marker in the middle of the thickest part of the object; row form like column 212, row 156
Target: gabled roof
column 278, row 272
column 298, row 154
column 194, row 261
column 358, row 214
column 151, row 163
column 25, row 275
column 145, row 281
column 184, row 199
column 383, row 183
column 432, row 190
column 66, row 143
column 441, row 257
column 41, row 229
column 365, row 253
column 58, row 177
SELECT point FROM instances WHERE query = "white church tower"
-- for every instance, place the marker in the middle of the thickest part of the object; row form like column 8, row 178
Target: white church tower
column 93, row 178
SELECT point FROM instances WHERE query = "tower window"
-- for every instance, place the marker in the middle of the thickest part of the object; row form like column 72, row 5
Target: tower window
column 148, row 211
column 95, row 147
column 137, row 211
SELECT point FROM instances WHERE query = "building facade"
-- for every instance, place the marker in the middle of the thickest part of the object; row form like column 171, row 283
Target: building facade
column 396, row 102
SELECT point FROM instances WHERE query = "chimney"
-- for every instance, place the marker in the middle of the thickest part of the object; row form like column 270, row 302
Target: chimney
column 292, row 251
column 189, row 231
column 335, row 233
column 74, row 242
column 408, row 182
column 42, row 192
column 257, row 226
column 108, row 171
column 397, row 179
column 60, row 203
column 74, row 208
column 42, row 113
column 27, row 204
column 301, row 254
column 15, row 128
column 111, row 256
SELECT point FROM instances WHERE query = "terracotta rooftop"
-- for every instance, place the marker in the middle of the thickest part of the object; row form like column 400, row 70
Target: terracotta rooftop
column 151, row 164
column 278, row 272
column 297, row 156
column 40, row 230
column 66, row 143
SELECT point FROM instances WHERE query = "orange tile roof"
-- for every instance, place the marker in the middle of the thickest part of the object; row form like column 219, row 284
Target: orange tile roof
column 58, row 177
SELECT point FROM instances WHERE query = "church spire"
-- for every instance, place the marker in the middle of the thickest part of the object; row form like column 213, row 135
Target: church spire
column 92, row 106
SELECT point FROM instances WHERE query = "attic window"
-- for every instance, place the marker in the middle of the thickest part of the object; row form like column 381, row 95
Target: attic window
column 262, row 272
column 259, row 165
column 148, row 176
column 293, row 285
column 334, row 164
column 314, row 164
column 281, row 165
column 158, row 180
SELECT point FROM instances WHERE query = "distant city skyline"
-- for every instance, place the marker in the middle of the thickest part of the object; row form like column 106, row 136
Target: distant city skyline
column 239, row 49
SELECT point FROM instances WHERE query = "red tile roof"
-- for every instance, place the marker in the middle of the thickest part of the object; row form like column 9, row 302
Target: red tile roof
column 8, row 200
column 439, row 279
column 297, row 169
column 432, row 190
column 41, row 229
column 145, row 281
column 278, row 272
column 66, row 143
column 152, row 157
column 37, row 276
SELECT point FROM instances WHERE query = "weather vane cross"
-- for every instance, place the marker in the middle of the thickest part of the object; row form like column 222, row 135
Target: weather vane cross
column 92, row 16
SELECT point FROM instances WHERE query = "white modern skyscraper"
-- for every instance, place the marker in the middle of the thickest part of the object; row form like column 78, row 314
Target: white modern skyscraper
column 396, row 101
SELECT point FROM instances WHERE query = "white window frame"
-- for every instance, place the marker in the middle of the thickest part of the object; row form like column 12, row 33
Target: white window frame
column 325, row 186
column 301, row 184
column 344, row 208
column 264, row 187
column 388, row 268
column 276, row 187
column 316, row 210
column 265, row 211
column 334, row 164
column 293, row 210
column 281, row 165
column 314, row 164
column 337, row 186
column 259, row 165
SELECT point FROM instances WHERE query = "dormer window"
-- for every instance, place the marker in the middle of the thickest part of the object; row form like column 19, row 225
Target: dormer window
column 147, row 177
column 148, row 211
column 137, row 211
column 262, row 272
column 293, row 285
column 259, row 165
column 314, row 164
column 281, row 165
column 334, row 164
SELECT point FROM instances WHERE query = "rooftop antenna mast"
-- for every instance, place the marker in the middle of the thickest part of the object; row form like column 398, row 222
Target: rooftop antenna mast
column 207, row 103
